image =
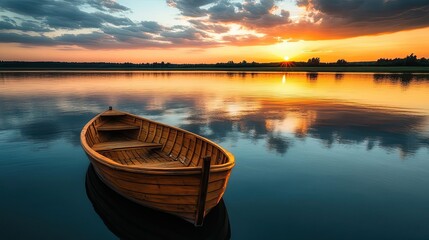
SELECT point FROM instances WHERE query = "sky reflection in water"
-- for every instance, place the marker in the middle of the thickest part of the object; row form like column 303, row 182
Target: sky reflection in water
column 313, row 150
column 45, row 106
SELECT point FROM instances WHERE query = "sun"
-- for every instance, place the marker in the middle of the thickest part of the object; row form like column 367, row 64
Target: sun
column 286, row 62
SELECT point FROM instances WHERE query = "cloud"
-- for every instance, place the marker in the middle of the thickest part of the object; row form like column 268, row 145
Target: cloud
column 323, row 19
column 151, row 27
column 33, row 26
column 190, row 8
column 88, row 40
column 209, row 27
column 64, row 14
column 26, row 39
column 7, row 25
column 251, row 13
column 98, row 24
column 188, row 36
column 101, row 28
column 117, row 21
column 123, row 34
column 327, row 19
column 25, row 26
column 224, row 11
column 108, row 5
column 249, row 39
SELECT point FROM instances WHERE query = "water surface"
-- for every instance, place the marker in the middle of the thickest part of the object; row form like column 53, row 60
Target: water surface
column 318, row 156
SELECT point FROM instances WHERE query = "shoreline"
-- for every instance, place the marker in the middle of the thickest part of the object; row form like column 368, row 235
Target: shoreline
column 335, row 69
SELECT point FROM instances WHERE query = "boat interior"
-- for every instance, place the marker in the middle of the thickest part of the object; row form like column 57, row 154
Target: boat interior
column 129, row 140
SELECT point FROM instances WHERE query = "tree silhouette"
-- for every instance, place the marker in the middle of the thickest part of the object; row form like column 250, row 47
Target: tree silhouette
column 411, row 60
column 341, row 62
column 313, row 61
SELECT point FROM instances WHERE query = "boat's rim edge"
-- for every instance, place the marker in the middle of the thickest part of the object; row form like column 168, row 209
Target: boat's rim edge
column 158, row 170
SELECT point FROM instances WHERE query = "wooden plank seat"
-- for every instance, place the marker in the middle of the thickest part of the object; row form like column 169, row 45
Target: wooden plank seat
column 116, row 126
column 167, row 164
column 142, row 157
column 124, row 144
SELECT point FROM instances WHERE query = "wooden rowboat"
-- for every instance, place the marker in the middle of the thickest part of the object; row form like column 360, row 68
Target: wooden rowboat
column 156, row 165
column 128, row 220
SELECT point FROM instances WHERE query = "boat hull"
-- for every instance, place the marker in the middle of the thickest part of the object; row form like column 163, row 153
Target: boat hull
column 128, row 220
column 170, row 193
column 156, row 165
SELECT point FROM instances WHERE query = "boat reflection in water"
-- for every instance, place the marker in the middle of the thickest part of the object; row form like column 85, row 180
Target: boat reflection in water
column 128, row 220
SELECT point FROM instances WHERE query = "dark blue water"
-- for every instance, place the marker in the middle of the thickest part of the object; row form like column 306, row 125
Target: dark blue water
column 318, row 156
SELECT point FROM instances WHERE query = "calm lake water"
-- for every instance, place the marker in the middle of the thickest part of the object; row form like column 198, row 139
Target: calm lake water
column 318, row 156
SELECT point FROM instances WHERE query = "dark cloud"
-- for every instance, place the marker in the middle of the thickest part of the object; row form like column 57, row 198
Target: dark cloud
column 151, row 27
column 190, row 8
column 188, row 37
column 100, row 40
column 125, row 34
column 26, row 39
column 340, row 19
column 32, row 26
column 8, row 19
column 62, row 14
column 24, row 7
column 7, row 25
column 108, row 5
column 70, row 19
column 94, row 40
column 224, row 11
column 260, row 14
column 251, row 13
column 324, row 19
column 117, row 21
column 185, row 34
column 372, row 9
column 261, row 22
column 209, row 27
column 106, row 29
column 133, row 36
column 89, row 39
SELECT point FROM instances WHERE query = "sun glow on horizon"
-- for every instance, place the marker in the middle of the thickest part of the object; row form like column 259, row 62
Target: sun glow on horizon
column 286, row 58
column 352, row 49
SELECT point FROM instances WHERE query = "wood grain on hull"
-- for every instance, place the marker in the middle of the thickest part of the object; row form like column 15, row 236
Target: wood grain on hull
column 160, row 168
column 131, row 221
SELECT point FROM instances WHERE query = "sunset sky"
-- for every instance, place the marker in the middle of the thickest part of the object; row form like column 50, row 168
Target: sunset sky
column 209, row 31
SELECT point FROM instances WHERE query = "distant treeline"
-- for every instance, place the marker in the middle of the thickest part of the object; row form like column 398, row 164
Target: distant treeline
column 126, row 65
column 410, row 60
